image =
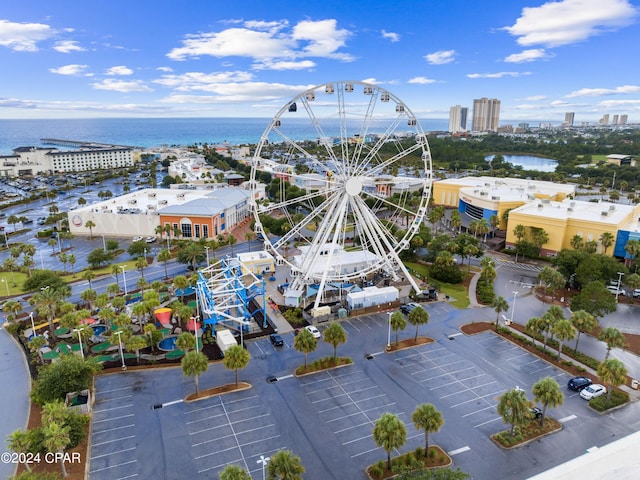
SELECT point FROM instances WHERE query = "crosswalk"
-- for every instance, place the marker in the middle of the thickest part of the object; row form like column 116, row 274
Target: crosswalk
column 520, row 266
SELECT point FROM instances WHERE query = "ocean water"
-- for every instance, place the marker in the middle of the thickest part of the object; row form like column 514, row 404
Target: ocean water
column 149, row 132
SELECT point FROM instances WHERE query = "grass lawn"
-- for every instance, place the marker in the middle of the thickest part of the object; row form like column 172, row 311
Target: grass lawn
column 456, row 292
column 7, row 280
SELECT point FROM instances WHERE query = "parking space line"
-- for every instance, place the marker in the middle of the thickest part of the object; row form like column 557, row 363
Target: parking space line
column 207, row 429
column 113, row 408
column 351, row 323
column 366, row 437
column 113, row 466
column 238, row 446
column 488, row 421
column 444, row 375
column 459, row 450
column 102, row 392
column 351, row 427
column 365, row 452
column 111, row 441
column 356, row 413
column 324, row 389
column 112, row 429
column 219, row 465
column 479, row 397
column 229, row 436
column 205, row 418
column 105, row 400
column 489, row 407
column 567, row 419
column 111, row 419
column 112, row 453
column 128, row 476
column 345, row 394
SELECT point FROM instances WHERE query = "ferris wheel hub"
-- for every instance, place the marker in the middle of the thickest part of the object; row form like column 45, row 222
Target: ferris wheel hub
column 353, row 186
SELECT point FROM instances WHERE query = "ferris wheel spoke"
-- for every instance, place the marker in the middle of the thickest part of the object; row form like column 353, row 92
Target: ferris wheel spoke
column 298, row 227
column 282, row 205
column 380, row 167
column 300, row 149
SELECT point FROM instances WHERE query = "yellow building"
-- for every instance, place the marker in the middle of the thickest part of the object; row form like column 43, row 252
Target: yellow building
column 258, row 263
column 589, row 220
column 483, row 197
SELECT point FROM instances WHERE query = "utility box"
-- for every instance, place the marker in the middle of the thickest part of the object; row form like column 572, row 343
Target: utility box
column 635, row 384
column 225, row 340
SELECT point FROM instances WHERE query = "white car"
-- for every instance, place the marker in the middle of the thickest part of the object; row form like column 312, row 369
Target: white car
column 616, row 291
column 313, row 331
column 137, row 239
column 592, row 391
column 150, row 239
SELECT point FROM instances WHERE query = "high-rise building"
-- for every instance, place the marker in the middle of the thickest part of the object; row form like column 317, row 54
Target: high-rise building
column 458, row 119
column 568, row 119
column 605, row 119
column 486, row 114
column 614, row 121
column 624, row 119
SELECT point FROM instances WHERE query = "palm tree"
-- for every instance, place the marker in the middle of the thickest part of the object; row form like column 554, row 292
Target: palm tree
column 613, row 373
column 89, row 224
column 576, row 242
column 455, row 220
column 46, row 302
column 249, row 236
column 186, row 341
column 513, row 407
column 584, row 322
column 500, row 305
column 284, row 465
column 305, row 344
column 236, row 358
column 180, row 282
column 398, row 322
column 13, row 220
column 426, row 417
column 71, row 258
column 231, row 240
column 234, row 472
column 418, row 316
column 88, row 276
column 389, row 433
column 548, row 393
column 613, row 338
column 12, row 308
column 56, row 439
column 334, row 335
column 193, row 365
column 563, row 331
column 164, row 256
column 193, row 253
column 20, row 443
column 607, row 239
column 134, row 343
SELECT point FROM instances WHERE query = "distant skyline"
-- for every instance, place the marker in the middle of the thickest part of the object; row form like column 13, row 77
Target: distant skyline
column 541, row 59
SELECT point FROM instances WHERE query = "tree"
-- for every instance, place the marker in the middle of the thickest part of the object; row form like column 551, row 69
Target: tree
column 334, row 335
column 389, row 433
column 613, row 373
column 500, row 305
column 584, row 322
column 134, row 343
column 193, row 365
column 305, row 344
column 455, row 220
column 56, row 439
column 234, row 472
column 180, row 282
column 519, row 232
column 513, row 407
column 398, row 322
column 236, row 358
column 46, row 302
column 607, row 239
column 20, row 442
column 89, row 224
column 11, row 309
column 69, row 374
column 418, row 316
column 249, row 236
column 284, row 465
column 186, row 341
column 548, row 393
column 595, row 299
column 193, row 253
column 426, row 417
column 164, row 256
column 141, row 263
column 71, row 258
column 563, row 331
column 613, row 338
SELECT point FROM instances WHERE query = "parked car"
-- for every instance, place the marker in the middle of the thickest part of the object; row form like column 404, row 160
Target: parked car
column 535, row 412
column 578, row 383
column 636, row 293
column 616, row 291
column 150, row 239
column 276, row 340
column 408, row 308
column 313, row 331
column 138, row 238
column 593, row 391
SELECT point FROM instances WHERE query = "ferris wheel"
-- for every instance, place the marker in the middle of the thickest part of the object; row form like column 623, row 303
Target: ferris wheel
column 354, row 171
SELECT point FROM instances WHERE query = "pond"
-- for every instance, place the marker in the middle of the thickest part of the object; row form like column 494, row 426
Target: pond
column 529, row 162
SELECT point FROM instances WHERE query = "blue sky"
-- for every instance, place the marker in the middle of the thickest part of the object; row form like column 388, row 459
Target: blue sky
column 208, row 58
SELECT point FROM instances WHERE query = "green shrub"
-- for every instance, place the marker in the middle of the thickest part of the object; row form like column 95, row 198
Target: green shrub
column 377, row 470
column 601, row 404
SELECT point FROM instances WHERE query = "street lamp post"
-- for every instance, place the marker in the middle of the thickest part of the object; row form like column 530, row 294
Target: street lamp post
column 124, row 367
column 104, row 244
column 41, row 261
column 389, row 332
column 33, row 327
column 263, row 460
column 124, row 279
column 207, row 249
column 620, row 274
column 78, row 330
column 4, row 280
column 513, row 308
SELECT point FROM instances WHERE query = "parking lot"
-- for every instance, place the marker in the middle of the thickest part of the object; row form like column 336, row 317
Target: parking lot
column 327, row 418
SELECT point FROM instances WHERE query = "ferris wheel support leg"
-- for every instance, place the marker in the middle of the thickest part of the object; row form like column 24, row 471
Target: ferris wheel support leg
column 412, row 281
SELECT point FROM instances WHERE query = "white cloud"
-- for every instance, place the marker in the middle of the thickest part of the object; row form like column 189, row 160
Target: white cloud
column 121, row 86
column 394, row 37
column 421, row 80
column 269, row 43
column 198, row 80
column 68, row 46
column 69, row 70
column 119, row 70
column 565, row 22
column 441, row 57
column 526, row 56
column 285, row 65
column 596, row 92
column 238, row 92
column 497, row 74
column 23, row 37
column 165, row 69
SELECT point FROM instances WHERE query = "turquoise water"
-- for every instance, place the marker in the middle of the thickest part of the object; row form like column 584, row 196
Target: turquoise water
column 168, row 344
column 529, row 162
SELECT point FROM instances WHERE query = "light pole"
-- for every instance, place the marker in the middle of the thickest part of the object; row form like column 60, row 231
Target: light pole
column 207, row 249
column 119, row 332
column 124, row 279
column 104, row 244
column 513, row 309
column 4, row 280
column 78, row 330
column 263, row 460
column 196, row 323
column 389, row 332
column 41, row 261
column 33, row 327
column 620, row 274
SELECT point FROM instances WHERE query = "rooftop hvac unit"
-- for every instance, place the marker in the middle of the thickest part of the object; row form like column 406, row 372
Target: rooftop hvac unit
column 133, row 201
column 539, row 205
column 152, row 195
column 570, row 209
column 495, row 197
column 180, row 195
column 546, row 201
column 612, row 207
column 604, row 213
column 163, row 202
